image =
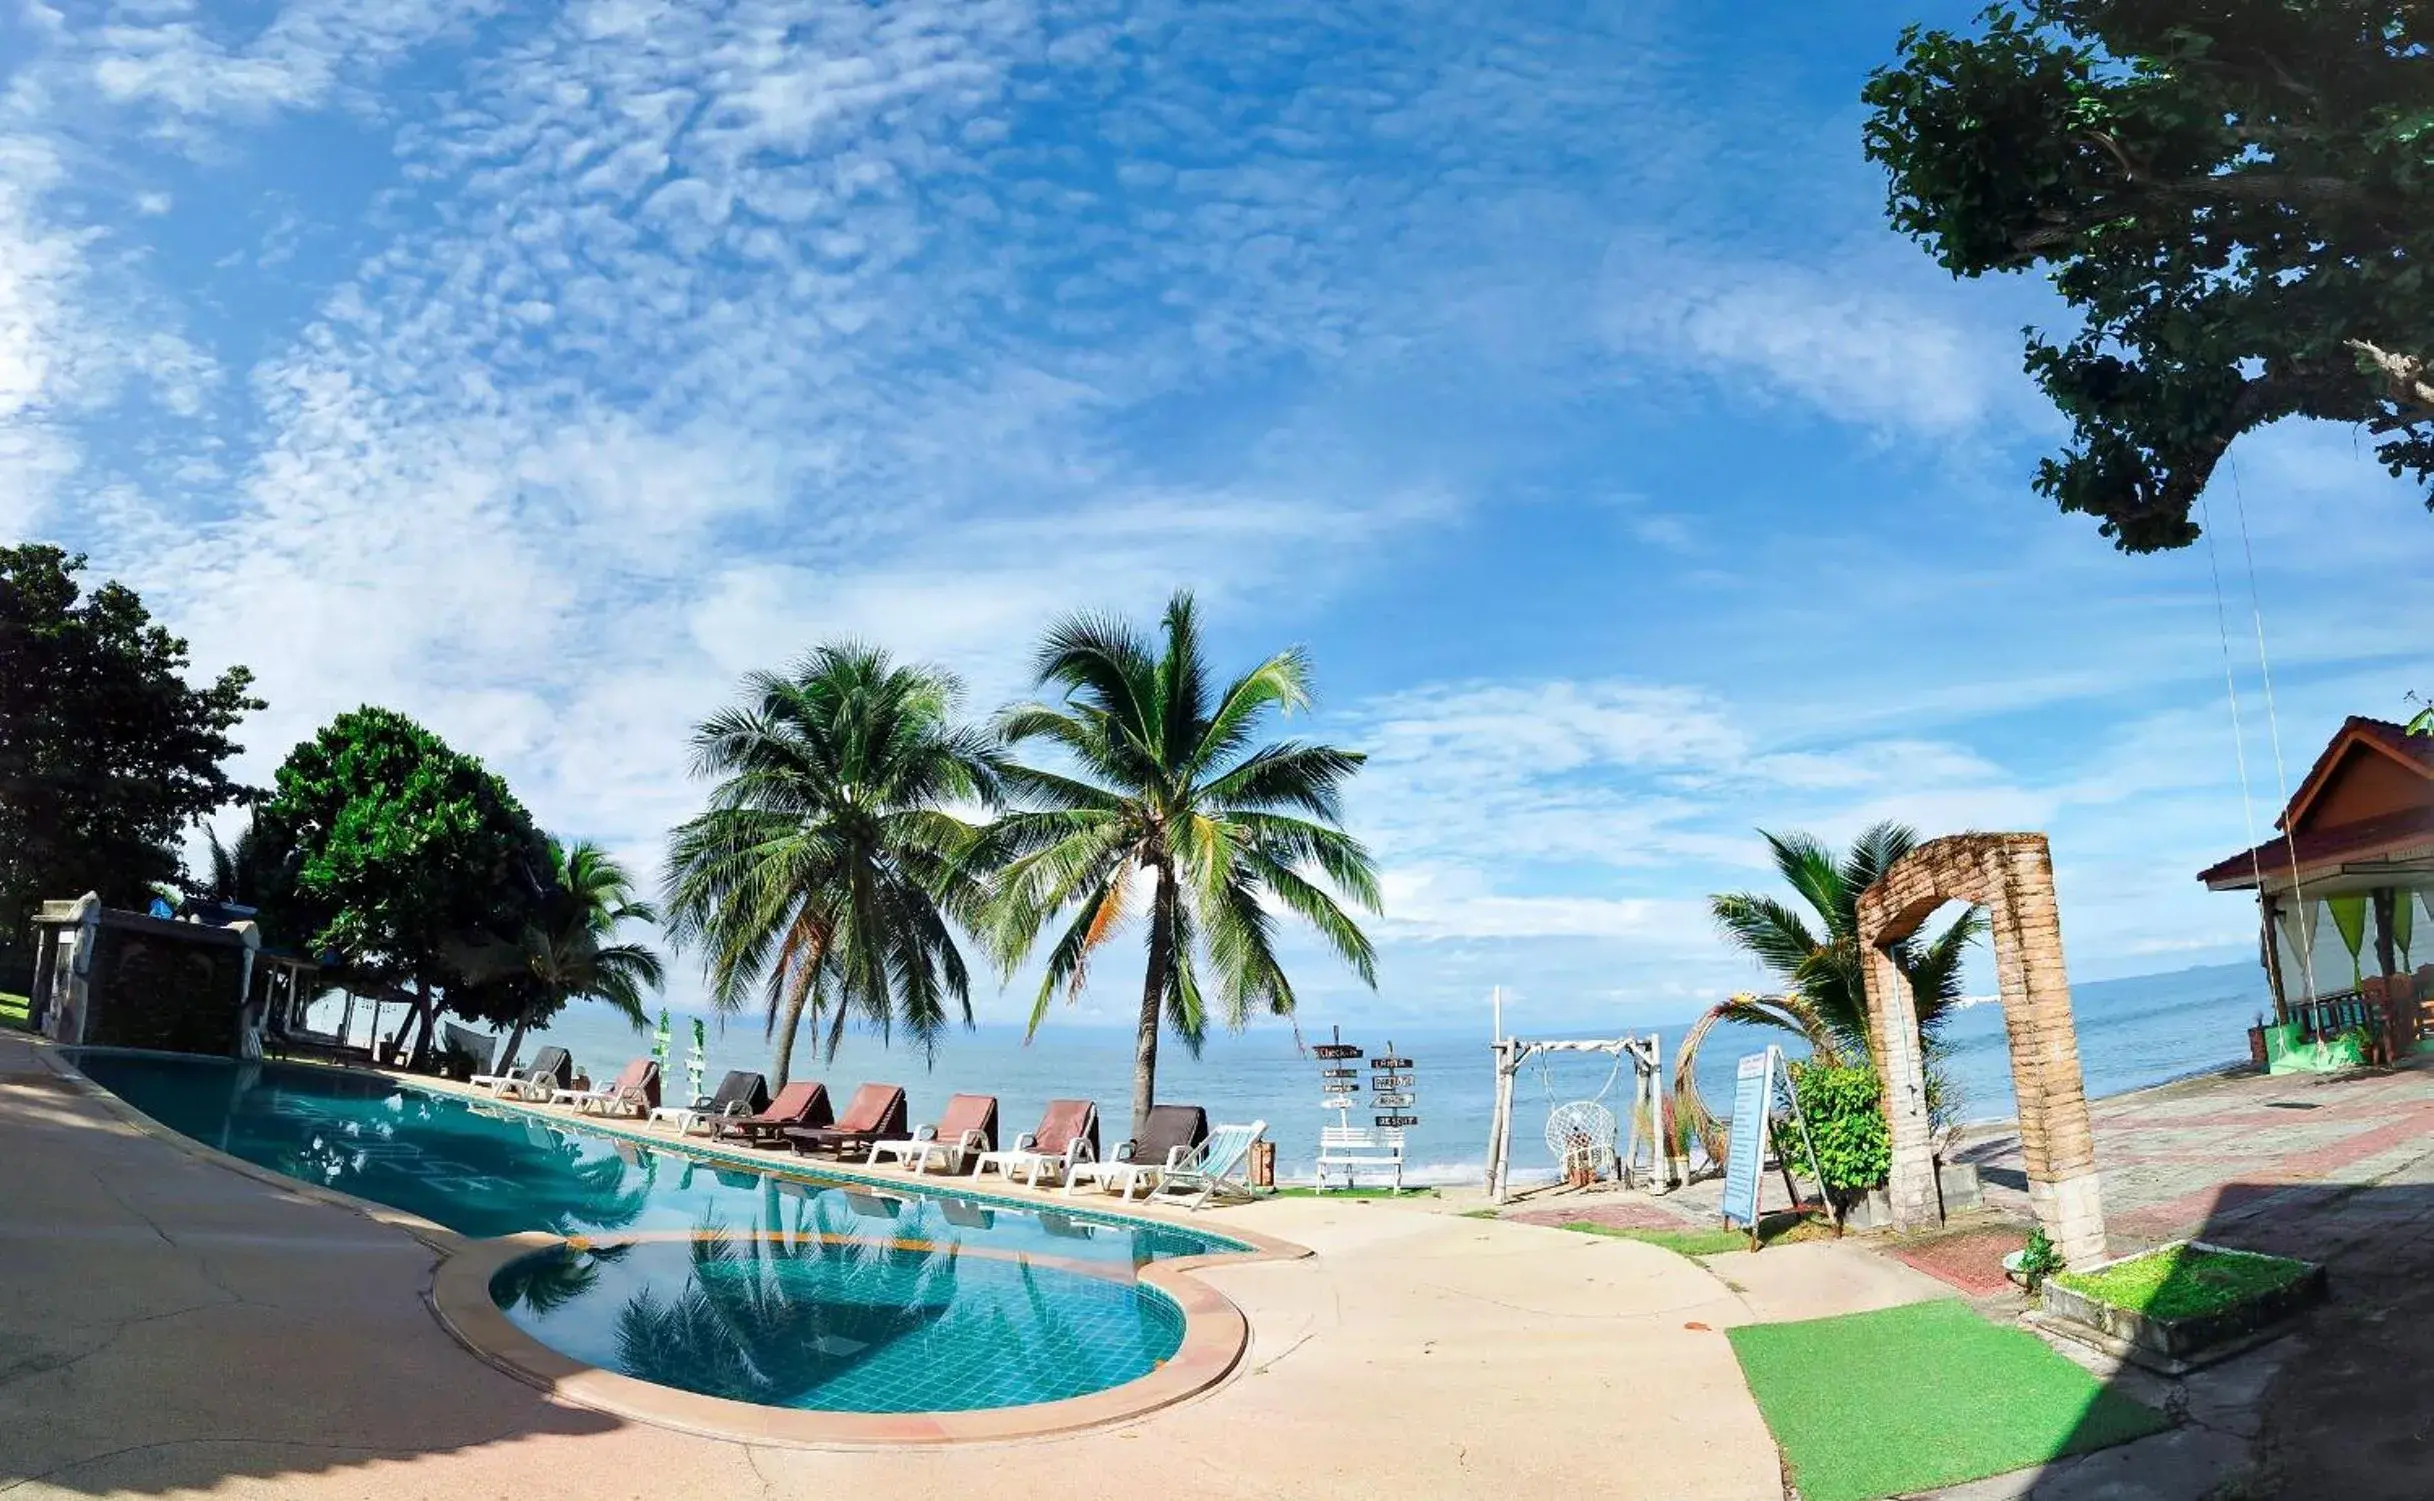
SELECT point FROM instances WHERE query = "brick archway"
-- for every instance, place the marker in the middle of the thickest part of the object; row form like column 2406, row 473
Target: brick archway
column 2011, row 876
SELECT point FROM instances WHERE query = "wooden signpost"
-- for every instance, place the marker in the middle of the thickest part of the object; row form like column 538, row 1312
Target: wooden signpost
column 1340, row 1081
column 1391, row 1090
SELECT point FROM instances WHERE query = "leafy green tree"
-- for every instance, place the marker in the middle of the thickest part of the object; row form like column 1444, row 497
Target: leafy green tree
column 1842, row 1106
column 2237, row 199
column 409, row 851
column 107, row 753
column 826, row 870
column 568, row 950
column 1169, row 803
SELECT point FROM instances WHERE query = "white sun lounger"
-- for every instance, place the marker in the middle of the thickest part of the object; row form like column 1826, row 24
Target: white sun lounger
column 1219, row 1169
column 533, row 1083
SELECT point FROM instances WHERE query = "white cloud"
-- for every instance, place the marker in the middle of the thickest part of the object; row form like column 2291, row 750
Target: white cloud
column 66, row 352
column 183, row 66
column 1855, row 335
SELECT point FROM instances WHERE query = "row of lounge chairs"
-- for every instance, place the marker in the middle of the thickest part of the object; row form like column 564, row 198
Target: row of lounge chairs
column 1176, row 1152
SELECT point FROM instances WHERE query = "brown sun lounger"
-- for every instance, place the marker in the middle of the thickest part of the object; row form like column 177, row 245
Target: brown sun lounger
column 796, row 1105
column 635, row 1092
column 875, row 1112
column 1169, row 1137
column 1068, row 1134
column 967, row 1128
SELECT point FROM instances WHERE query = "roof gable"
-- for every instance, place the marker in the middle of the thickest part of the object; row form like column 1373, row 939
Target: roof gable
column 2370, row 749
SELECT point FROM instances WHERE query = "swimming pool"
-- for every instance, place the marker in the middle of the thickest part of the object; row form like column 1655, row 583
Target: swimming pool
column 829, row 1295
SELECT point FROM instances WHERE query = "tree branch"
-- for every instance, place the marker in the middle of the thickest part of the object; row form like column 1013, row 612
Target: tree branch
column 2408, row 384
column 2230, row 187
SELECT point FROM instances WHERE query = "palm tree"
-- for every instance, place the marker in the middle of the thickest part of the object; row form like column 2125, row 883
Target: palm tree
column 568, row 950
column 1171, row 805
column 1821, row 966
column 256, row 868
column 825, row 870
column 1824, row 965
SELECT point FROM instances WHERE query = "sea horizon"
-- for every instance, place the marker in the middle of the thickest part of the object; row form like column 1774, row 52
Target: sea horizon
column 2134, row 1032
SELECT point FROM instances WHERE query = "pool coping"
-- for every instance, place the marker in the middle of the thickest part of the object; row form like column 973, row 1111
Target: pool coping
column 1216, row 1334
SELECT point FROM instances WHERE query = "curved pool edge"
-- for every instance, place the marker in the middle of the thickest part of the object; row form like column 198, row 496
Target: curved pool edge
column 1216, row 1333
column 431, row 1233
column 1215, row 1337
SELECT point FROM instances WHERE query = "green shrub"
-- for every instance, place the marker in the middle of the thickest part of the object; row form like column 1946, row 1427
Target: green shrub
column 2039, row 1259
column 1847, row 1124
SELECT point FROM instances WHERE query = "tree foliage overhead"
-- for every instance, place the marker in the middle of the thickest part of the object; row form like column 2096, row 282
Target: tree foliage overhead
column 2238, row 197
column 107, row 753
column 406, row 847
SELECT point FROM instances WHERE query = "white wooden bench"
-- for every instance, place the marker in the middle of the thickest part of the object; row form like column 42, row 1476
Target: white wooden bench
column 1353, row 1150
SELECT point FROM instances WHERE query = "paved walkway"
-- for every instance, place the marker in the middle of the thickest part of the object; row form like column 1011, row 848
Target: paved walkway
column 170, row 1327
column 2273, row 1164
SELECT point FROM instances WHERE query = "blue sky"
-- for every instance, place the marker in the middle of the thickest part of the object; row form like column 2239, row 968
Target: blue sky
column 1547, row 371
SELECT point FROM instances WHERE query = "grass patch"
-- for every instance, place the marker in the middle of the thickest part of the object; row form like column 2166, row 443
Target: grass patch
column 1908, row 1399
column 1305, row 1192
column 16, row 1011
column 2182, row 1282
column 1773, row 1229
column 1483, row 1214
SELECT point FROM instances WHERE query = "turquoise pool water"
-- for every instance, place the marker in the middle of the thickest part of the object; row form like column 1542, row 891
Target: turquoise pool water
column 818, row 1294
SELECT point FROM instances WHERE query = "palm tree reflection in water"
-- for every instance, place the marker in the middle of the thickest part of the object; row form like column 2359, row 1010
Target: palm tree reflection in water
column 772, row 1317
column 545, row 1284
column 860, row 1301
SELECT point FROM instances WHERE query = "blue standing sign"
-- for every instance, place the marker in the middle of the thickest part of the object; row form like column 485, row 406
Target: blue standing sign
column 1745, row 1154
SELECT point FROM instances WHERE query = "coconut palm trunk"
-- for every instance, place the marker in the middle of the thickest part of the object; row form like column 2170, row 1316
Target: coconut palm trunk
column 1153, row 1000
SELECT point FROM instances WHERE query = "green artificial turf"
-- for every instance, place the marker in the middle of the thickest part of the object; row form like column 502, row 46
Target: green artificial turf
column 16, row 1011
column 2182, row 1281
column 1907, row 1399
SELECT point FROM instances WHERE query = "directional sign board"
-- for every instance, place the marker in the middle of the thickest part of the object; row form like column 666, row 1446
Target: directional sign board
column 1745, row 1153
column 1339, row 1073
column 1390, row 1064
column 1397, row 1120
column 1390, row 1101
column 1332, row 1050
column 1391, row 1081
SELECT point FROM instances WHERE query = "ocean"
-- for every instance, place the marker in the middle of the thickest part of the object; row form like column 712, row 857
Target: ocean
column 2132, row 1033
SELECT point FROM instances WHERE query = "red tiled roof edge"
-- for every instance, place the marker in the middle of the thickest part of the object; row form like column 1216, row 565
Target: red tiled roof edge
column 2405, row 827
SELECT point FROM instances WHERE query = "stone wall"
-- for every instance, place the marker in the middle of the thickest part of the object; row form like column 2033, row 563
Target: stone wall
column 159, row 992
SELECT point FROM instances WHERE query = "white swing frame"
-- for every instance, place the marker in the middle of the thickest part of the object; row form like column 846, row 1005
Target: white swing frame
column 1648, row 1090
